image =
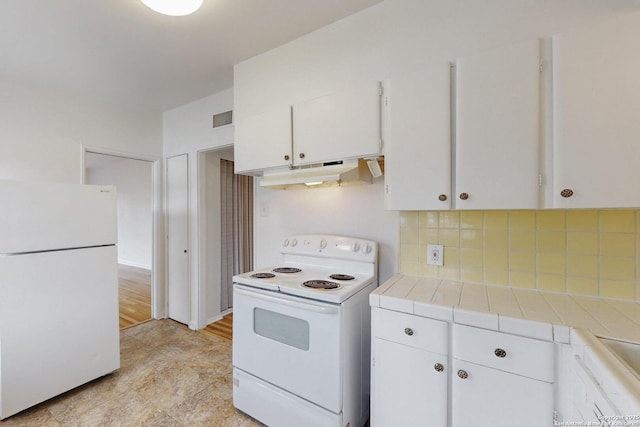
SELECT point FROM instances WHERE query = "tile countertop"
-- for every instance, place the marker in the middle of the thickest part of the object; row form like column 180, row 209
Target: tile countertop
column 531, row 313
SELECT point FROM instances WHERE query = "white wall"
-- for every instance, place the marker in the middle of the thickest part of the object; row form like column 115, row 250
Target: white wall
column 42, row 130
column 133, row 180
column 393, row 37
column 352, row 211
column 189, row 130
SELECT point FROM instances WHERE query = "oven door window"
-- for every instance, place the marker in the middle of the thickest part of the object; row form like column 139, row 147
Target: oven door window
column 284, row 329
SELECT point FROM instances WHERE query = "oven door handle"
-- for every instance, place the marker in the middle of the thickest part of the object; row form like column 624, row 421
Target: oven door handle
column 288, row 302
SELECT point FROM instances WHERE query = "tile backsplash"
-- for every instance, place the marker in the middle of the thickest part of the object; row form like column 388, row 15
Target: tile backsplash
column 585, row 252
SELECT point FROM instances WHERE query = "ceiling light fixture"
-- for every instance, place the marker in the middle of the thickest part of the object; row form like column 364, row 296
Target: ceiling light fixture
column 174, row 7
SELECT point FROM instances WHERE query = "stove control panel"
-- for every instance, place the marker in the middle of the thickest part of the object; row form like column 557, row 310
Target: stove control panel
column 327, row 246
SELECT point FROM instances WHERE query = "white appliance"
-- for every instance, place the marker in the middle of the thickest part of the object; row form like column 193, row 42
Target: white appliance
column 301, row 334
column 58, row 290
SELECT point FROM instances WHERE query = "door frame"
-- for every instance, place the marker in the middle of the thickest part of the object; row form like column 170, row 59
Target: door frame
column 158, row 291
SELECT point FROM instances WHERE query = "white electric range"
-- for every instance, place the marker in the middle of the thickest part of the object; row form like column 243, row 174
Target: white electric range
column 301, row 344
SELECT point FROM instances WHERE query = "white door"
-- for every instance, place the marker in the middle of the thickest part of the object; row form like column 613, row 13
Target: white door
column 178, row 238
column 418, row 143
column 409, row 386
column 263, row 141
column 338, row 126
column 498, row 128
column 596, row 101
column 482, row 396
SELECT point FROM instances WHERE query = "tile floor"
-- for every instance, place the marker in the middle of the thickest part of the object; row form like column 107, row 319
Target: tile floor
column 169, row 376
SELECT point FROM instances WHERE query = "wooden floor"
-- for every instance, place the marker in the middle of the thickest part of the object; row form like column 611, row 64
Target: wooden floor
column 223, row 328
column 135, row 295
column 135, row 302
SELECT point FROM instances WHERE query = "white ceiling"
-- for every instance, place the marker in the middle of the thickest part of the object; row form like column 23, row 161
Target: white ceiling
column 119, row 51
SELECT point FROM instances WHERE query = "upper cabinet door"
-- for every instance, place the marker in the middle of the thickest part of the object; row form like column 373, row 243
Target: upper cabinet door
column 596, row 102
column 498, row 128
column 263, row 141
column 418, row 140
column 338, row 126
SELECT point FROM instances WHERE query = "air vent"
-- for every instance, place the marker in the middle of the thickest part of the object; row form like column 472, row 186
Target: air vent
column 222, row 119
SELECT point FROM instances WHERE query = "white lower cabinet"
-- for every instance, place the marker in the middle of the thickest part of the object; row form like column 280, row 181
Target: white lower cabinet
column 482, row 396
column 500, row 379
column 410, row 375
column 487, row 378
column 410, row 386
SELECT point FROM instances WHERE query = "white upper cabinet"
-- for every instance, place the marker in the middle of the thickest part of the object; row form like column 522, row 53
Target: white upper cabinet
column 596, row 103
column 263, row 141
column 418, row 140
column 338, row 126
column 333, row 127
column 498, row 128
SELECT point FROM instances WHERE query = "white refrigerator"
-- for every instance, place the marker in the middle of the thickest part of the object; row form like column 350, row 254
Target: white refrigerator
column 58, row 290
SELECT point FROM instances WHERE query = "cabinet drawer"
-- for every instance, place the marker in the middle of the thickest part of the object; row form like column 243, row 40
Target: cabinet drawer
column 509, row 353
column 414, row 331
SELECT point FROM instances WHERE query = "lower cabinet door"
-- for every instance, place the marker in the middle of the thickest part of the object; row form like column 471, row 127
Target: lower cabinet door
column 484, row 396
column 409, row 386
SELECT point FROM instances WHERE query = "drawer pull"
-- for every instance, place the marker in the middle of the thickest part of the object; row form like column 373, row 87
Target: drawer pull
column 286, row 157
column 463, row 374
column 442, row 197
column 408, row 331
column 566, row 193
column 500, row 353
column 464, row 196
column 439, row 367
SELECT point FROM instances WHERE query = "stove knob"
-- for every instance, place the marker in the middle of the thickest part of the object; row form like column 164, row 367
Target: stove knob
column 294, row 242
column 356, row 247
column 323, row 244
column 367, row 249
column 285, row 243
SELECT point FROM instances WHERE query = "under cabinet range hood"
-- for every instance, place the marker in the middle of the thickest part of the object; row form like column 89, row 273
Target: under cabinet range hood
column 333, row 174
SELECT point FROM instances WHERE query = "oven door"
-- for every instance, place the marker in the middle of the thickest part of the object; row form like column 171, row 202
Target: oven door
column 290, row 342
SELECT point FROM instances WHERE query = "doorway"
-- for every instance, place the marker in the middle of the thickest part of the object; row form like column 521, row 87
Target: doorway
column 221, row 256
column 134, row 181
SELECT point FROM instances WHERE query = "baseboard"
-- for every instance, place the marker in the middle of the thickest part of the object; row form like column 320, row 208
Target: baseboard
column 214, row 319
column 134, row 264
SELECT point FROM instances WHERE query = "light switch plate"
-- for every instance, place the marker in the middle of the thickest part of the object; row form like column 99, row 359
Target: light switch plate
column 435, row 255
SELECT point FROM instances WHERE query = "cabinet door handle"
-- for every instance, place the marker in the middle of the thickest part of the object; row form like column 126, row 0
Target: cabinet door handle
column 439, row 367
column 500, row 353
column 301, row 155
column 286, row 157
column 442, row 197
column 566, row 193
column 464, row 196
column 463, row 374
column 408, row 331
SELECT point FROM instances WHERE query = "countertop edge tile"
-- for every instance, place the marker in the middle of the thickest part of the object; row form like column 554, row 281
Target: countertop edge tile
column 476, row 318
column 526, row 328
column 397, row 304
column 449, row 309
column 562, row 334
column 441, row 312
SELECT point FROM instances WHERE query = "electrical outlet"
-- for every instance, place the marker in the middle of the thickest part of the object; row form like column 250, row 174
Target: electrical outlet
column 435, row 254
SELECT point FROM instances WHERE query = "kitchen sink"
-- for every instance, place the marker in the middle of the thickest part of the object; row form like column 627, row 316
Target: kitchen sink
column 628, row 352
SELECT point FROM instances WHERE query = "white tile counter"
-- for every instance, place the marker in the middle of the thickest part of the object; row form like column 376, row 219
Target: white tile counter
column 531, row 313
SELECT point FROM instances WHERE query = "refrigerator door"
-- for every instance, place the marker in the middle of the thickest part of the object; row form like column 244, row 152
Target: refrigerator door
column 37, row 216
column 58, row 323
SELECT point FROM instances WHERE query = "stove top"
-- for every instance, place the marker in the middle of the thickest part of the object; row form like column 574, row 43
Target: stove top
column 320, row 283
column 333, row 267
